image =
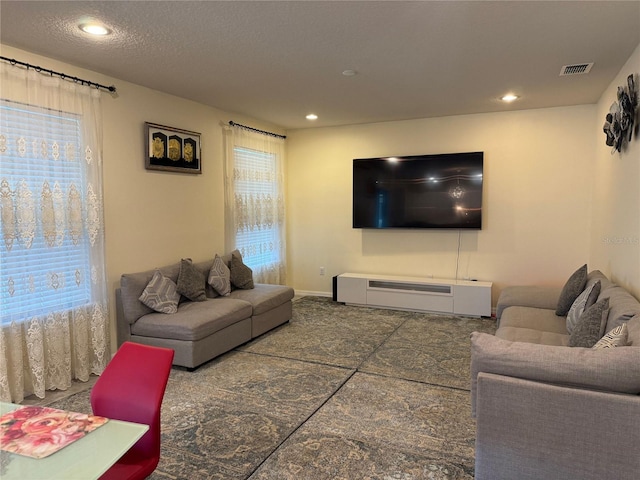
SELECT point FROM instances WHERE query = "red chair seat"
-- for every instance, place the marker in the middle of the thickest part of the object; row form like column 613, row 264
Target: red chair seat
column 131, row 389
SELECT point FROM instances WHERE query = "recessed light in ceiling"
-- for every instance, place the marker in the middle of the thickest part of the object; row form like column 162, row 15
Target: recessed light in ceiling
column 95, row 29
column 312, row 116
column 510, row 97
column 349, row 73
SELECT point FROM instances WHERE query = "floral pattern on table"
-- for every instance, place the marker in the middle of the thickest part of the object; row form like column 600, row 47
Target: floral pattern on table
column 40, row 431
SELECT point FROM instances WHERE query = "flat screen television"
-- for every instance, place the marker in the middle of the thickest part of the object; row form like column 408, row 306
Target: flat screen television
column 419, row 191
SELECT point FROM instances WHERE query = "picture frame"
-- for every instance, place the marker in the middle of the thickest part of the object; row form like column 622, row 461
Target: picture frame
column 172, row 149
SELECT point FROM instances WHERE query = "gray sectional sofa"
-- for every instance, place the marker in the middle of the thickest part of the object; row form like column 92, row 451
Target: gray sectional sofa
column 199, row 330
column 546, row 410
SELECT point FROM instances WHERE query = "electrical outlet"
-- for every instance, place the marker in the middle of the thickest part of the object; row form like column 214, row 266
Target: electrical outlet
column 321, row 270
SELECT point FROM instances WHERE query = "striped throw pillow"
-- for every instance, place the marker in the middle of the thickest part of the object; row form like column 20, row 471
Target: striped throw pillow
column 615, row 338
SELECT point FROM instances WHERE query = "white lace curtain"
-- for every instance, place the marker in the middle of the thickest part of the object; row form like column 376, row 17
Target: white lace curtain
column 54, row 320
column 254, row 202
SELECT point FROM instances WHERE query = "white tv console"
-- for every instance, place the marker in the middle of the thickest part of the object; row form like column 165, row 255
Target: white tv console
column 460, row 297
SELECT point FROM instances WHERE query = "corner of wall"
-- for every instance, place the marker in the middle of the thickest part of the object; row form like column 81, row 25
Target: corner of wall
column 615, row 222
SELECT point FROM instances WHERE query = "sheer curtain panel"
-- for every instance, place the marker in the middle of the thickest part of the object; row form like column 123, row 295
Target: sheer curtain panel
column 53, row 311
column 254, row 202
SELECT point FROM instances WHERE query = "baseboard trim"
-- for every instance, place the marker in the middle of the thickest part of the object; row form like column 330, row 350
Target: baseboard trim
column 311, row 293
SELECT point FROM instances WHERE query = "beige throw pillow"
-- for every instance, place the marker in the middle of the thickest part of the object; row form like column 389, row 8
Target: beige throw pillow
column 220, row 277
column 160, row 294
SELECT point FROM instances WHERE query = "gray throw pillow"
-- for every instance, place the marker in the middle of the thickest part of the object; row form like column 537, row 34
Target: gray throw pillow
column 160, row 294
column 241, row 275
column 590, row 327
column 191, row 281
column 220, row 277
column 584, row 301
column 571, row 290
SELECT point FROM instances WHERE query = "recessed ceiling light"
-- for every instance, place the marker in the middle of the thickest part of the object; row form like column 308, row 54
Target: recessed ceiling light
column 509, row 97
column 349, row 73
column 312, row 116
column 95, row 29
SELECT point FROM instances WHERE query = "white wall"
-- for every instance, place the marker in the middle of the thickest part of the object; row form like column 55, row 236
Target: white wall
column 537, row 177
column 154, row 218
column 615, row 231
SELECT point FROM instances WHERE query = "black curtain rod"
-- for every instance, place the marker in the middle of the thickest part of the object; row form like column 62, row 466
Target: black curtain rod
column 264, row 132
column 64, row 76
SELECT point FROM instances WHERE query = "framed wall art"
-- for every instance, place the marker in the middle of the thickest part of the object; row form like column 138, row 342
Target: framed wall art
column 172, row 149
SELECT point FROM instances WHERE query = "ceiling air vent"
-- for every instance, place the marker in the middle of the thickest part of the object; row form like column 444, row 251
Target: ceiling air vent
column 576, row 69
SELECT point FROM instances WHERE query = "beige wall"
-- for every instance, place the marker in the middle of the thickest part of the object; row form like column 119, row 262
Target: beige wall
column 615, row 231
column 537, row 176
column 540, row 222
column 154, row 218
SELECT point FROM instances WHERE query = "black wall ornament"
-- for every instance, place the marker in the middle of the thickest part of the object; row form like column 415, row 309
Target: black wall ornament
column 622, row 117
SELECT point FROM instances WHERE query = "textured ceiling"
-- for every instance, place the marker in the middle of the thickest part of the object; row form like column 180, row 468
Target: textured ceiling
column 278, row 61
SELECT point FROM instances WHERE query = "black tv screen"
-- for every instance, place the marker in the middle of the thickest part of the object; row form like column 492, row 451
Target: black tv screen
column 420, row 191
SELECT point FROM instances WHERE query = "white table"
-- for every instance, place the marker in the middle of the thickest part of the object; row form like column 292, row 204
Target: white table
column 86, row 458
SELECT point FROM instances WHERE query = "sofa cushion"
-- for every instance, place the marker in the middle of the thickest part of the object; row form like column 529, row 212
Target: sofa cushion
column 541, row 319
column 226, row 258
column 587, row 298
column 612, row 369
column 530, row 335
column 191, row 281
column 615, row 338
column 193, row 320
column 527, row 296
column 220, row 277
column 633, row 330
column 160, row 294
column 264, row 297
column 590, row 326
column 572, row 288
column 597, row 276
column 241, row 275
column 622, row 306
column 132, row 285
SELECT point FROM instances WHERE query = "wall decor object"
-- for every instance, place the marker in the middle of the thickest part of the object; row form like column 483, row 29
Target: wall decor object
column 622, row 116
column 172, row 149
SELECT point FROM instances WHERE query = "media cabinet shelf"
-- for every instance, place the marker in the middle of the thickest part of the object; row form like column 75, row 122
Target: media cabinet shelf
column 459, row 297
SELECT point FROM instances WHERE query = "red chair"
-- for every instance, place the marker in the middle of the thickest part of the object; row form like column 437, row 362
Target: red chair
column 131, row 388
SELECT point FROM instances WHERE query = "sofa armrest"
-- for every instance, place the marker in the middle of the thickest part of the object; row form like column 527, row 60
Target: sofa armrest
column 528, row 296
column 610, row 370
column 123, row 329
column 532, row 430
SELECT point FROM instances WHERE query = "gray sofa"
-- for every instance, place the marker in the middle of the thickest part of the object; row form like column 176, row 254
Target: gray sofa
column 545, row 410
column 199, row 330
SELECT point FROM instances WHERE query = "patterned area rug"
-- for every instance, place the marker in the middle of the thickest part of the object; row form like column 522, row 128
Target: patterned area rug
column 340, row 392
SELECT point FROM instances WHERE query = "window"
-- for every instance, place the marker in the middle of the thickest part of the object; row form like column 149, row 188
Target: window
column 257, row 201
column 54, row 312
column 254, row 201
column 45, row 261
